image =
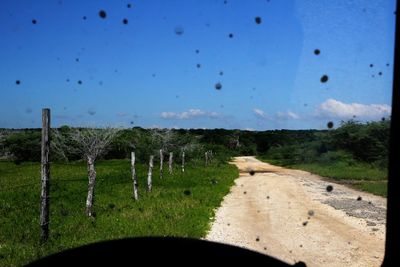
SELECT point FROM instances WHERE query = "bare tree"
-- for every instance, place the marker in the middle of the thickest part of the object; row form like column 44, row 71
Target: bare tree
column 164, row 138
column 90, row 143
column 234, row 140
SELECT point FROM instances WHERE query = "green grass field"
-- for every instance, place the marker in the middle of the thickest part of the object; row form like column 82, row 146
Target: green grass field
column 179, row 205
column 360, row 175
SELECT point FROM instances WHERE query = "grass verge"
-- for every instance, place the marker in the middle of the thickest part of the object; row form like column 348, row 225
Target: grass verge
column 181, row 205
column 359, row 175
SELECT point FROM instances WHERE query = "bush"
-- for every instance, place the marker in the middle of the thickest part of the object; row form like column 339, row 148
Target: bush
column 24, row 146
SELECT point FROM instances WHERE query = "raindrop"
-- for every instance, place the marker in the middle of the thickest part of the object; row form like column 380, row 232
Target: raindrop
column 131, row 122
column 197, row 51
column 178, row 30
column 79, row 82
column 18, row 82
column 245, row 192
column 187, row 192
column 230, row 35
column 128, row 5
column 267, row 197
column 228, row 224
column 301, row 246
column 258, row 20
column 329, row 125
column 311, row 213
column 359, row 198
column 84, row 17
column 198, row 65
column 383, row 119
column 258, row 239
column 77, row 59
column 125, row 21
column 221, row 73
column 329, row 188
column 317, row 52
column 305, row 223
column 380, row 73
column 102, row 14
column 225, row 2
column 218, row 86
column 371, row 65
column 265, row 248
column 252, row 172
column 34, row 21
column 387, row 64
column 324, row 78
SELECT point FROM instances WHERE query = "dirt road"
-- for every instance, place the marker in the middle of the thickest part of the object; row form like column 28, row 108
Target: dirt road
column 290, row 215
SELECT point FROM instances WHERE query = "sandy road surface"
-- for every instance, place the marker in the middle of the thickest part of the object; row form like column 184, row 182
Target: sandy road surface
column 288, row 214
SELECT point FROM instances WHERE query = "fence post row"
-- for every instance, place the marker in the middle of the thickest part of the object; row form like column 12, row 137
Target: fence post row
column 170, row 162
column 149, row 181
column 134, row 177
column 161, row 163
column 183, row 161
column 45, row 175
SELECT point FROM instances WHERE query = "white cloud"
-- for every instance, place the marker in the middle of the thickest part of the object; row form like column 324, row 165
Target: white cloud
column 332, row 108
column 288, row 115
column 260, row 113
column 190, row 114
column 249, row 129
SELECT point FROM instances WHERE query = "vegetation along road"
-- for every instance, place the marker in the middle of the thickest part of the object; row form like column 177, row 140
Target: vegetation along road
column 293, row 215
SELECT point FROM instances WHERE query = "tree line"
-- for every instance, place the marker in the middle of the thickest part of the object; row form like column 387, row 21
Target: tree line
column 352, row 140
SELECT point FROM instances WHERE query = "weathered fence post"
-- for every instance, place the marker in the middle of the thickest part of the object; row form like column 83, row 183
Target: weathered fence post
column 45, row 175
column 161, row 163
column 92, row 181
column 134, row 177
column 170, row 162
column 183, row 161
column 206, row 157
column 149, row 181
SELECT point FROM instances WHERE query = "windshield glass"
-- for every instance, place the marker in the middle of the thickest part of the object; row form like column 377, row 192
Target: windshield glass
column 263, row 124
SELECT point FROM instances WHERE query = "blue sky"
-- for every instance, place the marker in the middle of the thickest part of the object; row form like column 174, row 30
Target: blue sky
column 145, row 74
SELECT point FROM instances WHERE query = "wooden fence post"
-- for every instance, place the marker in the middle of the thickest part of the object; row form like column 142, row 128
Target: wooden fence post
column 149, row 181
column 134, row 177
column 45, row 175
column 161, row 163
column 170, row 162
column 206, row 157
column 183, row 161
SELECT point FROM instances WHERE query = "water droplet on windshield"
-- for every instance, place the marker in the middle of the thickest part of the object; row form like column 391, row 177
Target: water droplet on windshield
column 102, row 14
column 324, row 78
column 178, row 30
